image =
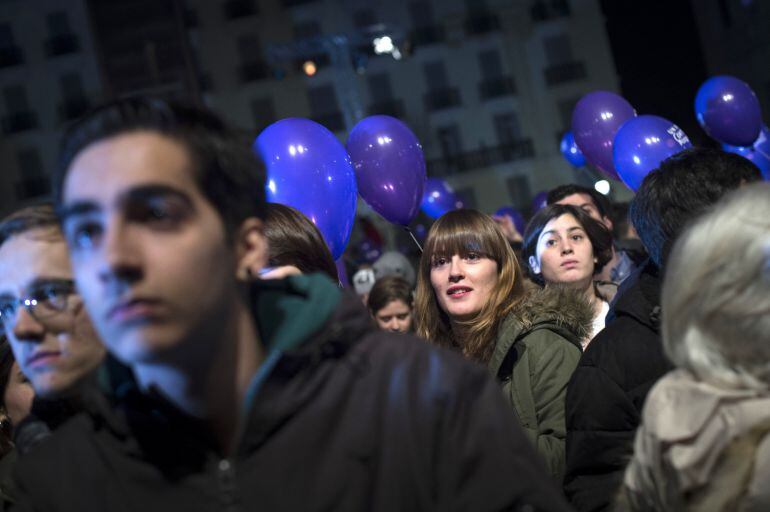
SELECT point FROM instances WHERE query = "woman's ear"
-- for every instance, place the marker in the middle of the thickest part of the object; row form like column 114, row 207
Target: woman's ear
column 251, row 249
column 534, row 265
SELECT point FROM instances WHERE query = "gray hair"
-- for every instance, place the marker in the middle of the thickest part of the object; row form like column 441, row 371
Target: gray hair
column 716, row 294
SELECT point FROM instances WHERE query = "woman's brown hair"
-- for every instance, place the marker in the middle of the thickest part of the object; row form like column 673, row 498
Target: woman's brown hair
column 462, row 232
column 295, row 240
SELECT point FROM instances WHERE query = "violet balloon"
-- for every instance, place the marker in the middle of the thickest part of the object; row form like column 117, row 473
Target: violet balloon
column 570, row 150
column 642, row 143
column 389, row 166
column 729, row 111
column 439, row 198
column 758, row 153
column 309, row 169
column 539, row 202
column 595, row 121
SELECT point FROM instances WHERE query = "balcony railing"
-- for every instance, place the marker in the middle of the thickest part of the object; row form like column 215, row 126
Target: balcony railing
column 481, row 23
column 19, row 122
column 394, row 108
column 333, row 121
column 481, row 158
column 567, row 72
column 235, row 9
column 439, row 99
column 11, row 56
column 31, row 187
column 543, row 10
column 497, row 87
column 62, row 45
column 423, row 36
column 253, row 71
column 73, row 108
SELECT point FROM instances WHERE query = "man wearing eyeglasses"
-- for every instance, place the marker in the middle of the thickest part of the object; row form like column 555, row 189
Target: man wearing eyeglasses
column 42, row 315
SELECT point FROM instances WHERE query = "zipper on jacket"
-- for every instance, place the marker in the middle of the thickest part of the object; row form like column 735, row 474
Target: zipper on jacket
column 227, row 486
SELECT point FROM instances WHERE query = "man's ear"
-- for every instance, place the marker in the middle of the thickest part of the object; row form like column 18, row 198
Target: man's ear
column 533, row 265
column 607, row 223
column 252, row 249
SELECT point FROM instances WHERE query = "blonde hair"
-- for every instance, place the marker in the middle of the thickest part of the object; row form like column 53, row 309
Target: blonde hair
column 716, row 294
column 461, row 232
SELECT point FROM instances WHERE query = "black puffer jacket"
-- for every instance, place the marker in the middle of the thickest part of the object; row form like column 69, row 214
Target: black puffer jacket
column 607, row 391
column 349, row 419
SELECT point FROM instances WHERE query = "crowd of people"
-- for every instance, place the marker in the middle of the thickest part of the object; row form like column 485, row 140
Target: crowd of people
column 173, row 342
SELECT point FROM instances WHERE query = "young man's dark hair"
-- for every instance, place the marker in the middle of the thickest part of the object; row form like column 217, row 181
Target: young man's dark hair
column 557, row 194
column 250, row 394
column 609, row 386
column 682, row 187
column 39, row 216
column 224, row 165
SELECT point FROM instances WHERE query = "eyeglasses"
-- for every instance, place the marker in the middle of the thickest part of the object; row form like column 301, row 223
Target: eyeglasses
column 45, row 300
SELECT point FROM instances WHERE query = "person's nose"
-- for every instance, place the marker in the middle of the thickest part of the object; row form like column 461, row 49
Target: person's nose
column 26, row 327
column 456, row 271
column 119, row 255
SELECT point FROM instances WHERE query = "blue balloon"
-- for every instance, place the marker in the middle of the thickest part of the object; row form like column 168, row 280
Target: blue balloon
column 515, row 215
column 758, row 153
column 728, row 110
column 642, row 143
column 571, row 151
column 309, row 169
column 439, row 198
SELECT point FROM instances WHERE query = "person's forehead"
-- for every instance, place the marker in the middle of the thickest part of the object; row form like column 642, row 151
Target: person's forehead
column 561, row 224
column 579, row 199
column 393, row 307
column 33, row 256
column 105, row 170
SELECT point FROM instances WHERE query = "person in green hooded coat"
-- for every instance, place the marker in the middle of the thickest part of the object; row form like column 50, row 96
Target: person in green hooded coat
column 471, row 296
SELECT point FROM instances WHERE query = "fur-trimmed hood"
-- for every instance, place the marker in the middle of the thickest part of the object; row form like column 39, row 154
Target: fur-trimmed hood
column 557, row 308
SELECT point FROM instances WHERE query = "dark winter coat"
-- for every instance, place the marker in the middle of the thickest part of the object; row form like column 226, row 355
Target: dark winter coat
column 607, row 392
column 349, row 418
column 537, row 349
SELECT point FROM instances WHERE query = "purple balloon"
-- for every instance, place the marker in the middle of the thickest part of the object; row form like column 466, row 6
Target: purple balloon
column 439, row 198
column 309, row 169
column 539, row 202
column 389, row 166
column 595, row 121
column 515, row 215
column 728, row 110
column 642, row 143
column 758, row 153
column 571, row 151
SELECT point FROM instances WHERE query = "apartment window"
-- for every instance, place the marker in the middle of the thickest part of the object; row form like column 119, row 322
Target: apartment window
column 520, row 192
column 507, row 128
column 263, row 112
column 32, row 179
column 450, row 141
column 10, row 54
column 435, row 75
column 252, row 65
column 558, row 49
column 566, row 107
column 74, row 101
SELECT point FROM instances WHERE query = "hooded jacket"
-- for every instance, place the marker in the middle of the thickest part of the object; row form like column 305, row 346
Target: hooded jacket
column 537, row 349
column 340, row 417
column 608, row 389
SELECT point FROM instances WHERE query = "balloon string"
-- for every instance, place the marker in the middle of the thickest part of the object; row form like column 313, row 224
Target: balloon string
column 406, row 228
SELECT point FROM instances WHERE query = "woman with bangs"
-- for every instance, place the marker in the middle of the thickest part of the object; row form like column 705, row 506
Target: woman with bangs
column 471, row 297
